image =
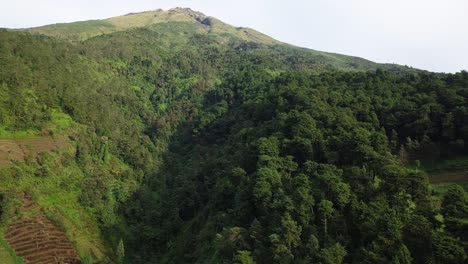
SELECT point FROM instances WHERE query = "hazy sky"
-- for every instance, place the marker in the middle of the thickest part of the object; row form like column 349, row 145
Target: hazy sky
column 425, row 34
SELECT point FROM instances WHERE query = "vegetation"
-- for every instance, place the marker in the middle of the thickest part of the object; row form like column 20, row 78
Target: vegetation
column 196, row 146
column 456, row 163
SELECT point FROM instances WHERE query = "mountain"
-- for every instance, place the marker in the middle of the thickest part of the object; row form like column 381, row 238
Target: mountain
column 198, row 23
column 171, row 137
column 79, row 31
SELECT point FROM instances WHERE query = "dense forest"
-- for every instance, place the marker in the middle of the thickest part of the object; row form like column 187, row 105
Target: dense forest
column 195, row 147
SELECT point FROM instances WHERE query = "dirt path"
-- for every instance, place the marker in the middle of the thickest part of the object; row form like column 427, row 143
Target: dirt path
column 449, row 177
column 19, row 149
column 38, row 240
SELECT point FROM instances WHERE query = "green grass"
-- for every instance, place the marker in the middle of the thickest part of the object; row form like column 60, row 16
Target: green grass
column 77, row 30
column 5, row 134
column 7, row 254
column 61, row 121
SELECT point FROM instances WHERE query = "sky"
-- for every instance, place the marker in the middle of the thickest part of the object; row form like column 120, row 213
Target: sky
column 425, row 34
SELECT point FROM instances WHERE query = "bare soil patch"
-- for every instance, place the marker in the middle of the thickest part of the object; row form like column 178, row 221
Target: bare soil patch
column 20, row 149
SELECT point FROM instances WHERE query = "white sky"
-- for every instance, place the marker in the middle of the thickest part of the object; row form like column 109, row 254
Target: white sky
column 426, row 34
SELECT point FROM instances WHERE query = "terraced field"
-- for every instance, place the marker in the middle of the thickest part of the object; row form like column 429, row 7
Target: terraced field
column 37, row 239
column 12, row 150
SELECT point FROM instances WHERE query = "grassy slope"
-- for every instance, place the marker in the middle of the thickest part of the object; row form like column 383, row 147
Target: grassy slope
column 7, row 255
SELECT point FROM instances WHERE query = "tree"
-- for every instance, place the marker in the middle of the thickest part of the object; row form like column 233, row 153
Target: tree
column 243, row 257
column 418, row 238
column 120, row 252
column 447, row 250
column 325, row 211
column 333, row 254
column 455, row 212
column 455, row 203
column 303, row 199
column 291, row 232
column 403, row 256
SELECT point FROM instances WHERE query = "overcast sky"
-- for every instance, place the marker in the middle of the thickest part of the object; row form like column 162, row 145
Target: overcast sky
column 426, row 34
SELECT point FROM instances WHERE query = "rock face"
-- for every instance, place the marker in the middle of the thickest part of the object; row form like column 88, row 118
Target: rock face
column 206, row 21
column 39, row 240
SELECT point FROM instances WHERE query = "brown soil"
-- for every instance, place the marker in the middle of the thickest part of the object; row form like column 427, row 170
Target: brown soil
column 39, row 240
column 20, row 149
column 449, row 176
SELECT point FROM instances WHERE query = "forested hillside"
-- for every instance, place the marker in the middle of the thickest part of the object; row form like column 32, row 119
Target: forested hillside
column 185, row 140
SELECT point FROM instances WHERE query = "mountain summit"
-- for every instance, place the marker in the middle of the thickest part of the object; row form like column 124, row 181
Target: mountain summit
column 78, row 31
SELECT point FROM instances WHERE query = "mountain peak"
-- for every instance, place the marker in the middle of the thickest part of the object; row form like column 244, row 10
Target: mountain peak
column 172, row 11
column 188, row 11
column 79, row 31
